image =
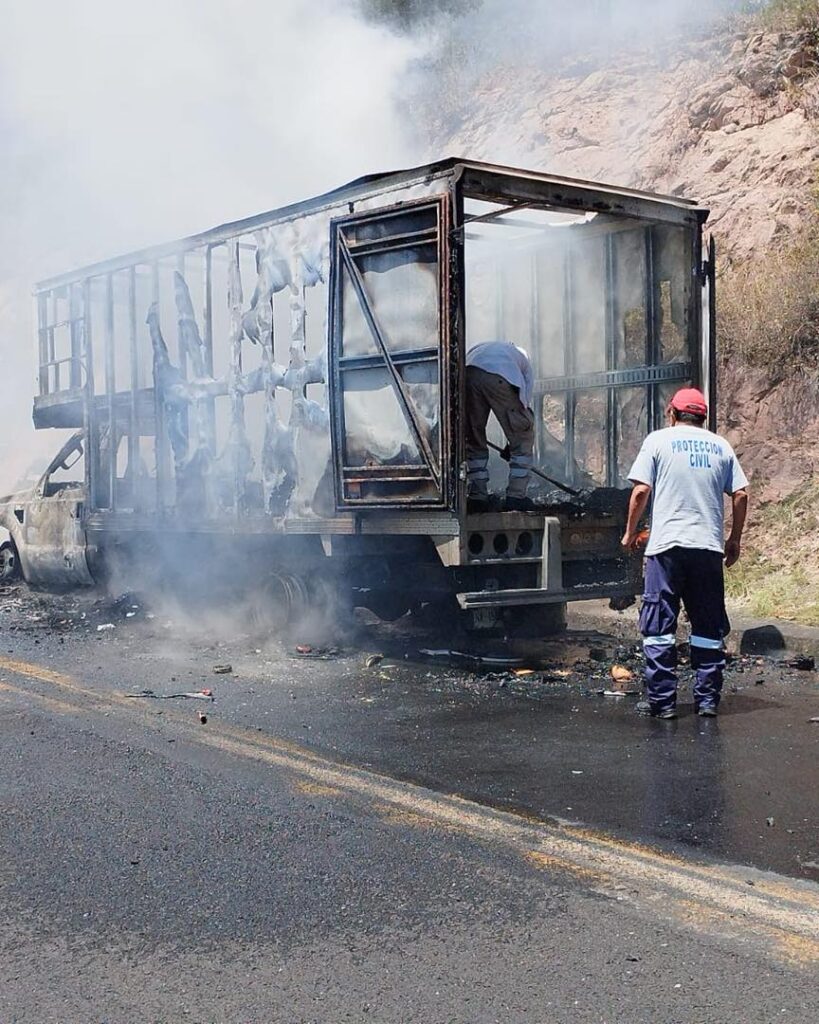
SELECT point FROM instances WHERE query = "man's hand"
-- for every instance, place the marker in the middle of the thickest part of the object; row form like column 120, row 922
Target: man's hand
column 739, row 503
column 637, row 502
column 732, row 552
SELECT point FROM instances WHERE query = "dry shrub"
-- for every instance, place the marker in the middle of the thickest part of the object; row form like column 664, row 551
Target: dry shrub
column 788, row 14
column 768, row 309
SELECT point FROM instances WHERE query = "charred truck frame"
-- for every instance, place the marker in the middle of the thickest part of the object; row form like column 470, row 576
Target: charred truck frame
column 313, row 431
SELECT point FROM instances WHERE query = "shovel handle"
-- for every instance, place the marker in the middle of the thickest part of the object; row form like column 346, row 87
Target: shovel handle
column 539, row 472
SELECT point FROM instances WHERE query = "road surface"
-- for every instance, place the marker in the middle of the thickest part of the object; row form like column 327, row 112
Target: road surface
column 409, row 841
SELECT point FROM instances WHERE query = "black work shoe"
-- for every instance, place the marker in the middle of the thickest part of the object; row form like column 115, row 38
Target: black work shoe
column 643, row 707
column 476, row 505
column 707, row 711
column 519, row 505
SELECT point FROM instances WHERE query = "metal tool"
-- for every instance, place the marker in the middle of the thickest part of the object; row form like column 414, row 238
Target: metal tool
column 504, row 453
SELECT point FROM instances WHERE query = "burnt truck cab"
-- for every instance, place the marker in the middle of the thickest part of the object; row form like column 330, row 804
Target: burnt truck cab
column 290, row 388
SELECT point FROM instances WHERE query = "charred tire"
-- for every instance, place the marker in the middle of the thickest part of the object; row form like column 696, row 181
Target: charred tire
column 9, row 562
column 282, row 600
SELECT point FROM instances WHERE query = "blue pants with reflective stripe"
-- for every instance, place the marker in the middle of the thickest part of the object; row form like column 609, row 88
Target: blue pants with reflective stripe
column 693, row 577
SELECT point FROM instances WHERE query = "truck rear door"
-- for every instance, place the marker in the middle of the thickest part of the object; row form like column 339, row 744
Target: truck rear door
column 389, row 354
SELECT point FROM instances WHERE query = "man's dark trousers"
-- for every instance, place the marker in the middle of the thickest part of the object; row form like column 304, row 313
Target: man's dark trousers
column 693, row 576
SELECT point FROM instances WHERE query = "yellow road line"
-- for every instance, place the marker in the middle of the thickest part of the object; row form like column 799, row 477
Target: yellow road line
column 779, row 912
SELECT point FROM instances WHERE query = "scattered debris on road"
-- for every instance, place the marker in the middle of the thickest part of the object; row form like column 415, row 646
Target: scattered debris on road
column 222, row 670
column 802, row 662
column 304, row 651
column 103, row 627
column 187, row 695
column 372, row 660
column 476, row 660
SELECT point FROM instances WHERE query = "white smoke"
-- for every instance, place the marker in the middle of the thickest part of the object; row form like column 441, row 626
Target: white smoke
column 126, row 124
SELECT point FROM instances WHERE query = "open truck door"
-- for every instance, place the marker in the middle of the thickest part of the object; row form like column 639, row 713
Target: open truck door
column 389, row 353
column 708, row 342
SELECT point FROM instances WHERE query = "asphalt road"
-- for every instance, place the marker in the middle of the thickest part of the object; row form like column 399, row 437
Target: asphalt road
column 400, row 842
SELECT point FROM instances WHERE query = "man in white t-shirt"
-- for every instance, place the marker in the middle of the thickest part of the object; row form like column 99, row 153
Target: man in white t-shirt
column 499, row 379
column 686, row 470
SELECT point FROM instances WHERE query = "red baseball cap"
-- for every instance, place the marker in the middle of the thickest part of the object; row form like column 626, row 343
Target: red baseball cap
column 690, row 400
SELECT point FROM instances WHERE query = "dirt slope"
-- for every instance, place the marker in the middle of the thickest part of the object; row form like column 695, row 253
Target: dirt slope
column 727, row 120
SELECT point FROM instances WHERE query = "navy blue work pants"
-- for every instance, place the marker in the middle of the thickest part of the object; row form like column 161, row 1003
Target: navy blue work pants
column 694, row 577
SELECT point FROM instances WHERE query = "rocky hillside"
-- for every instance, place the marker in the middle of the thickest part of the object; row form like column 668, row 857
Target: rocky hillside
column 733, row 121
column 728, row 120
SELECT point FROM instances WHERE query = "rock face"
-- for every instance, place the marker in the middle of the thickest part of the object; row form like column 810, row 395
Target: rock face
column 727, row 121
column 772, row 428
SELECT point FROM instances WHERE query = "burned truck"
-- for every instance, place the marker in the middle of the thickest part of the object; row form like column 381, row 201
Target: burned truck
column 281, row 398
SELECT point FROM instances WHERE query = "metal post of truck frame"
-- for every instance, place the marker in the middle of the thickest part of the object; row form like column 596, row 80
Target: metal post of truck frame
column 183, row 355
column 110, row 391
column 52, row 348
column 42, row 337
column 611, row 362
column 75, row 367
column 159, row 414
column 133, row 433
column 207, row 337
column 568, row 360
column 652, row 333
column 89, row 410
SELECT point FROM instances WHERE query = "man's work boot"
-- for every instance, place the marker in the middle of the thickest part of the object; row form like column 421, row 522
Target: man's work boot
column 644, row 707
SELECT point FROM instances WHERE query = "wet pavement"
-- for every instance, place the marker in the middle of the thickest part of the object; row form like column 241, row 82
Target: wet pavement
column 741, row 788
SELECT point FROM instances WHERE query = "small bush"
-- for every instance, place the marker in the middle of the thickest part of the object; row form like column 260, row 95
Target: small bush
column 778, row 574
column 768, row 308
column 787, row 14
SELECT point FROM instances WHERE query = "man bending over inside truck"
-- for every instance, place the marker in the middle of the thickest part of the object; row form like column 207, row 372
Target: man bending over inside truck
column 688, row 469
column 499, row 379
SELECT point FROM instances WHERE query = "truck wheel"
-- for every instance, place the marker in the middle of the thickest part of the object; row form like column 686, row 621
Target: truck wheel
column 282, row 600
column 9, row 562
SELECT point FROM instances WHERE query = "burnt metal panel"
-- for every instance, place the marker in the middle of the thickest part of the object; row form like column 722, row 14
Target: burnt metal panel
column 505, row 185
column 481, row 180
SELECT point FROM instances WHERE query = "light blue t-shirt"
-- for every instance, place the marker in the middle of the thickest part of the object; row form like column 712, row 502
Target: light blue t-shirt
column 507, row 361
column 689, row 469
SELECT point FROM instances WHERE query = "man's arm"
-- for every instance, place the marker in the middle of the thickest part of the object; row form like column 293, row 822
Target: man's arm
column 739, row 511
column 636, row 507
